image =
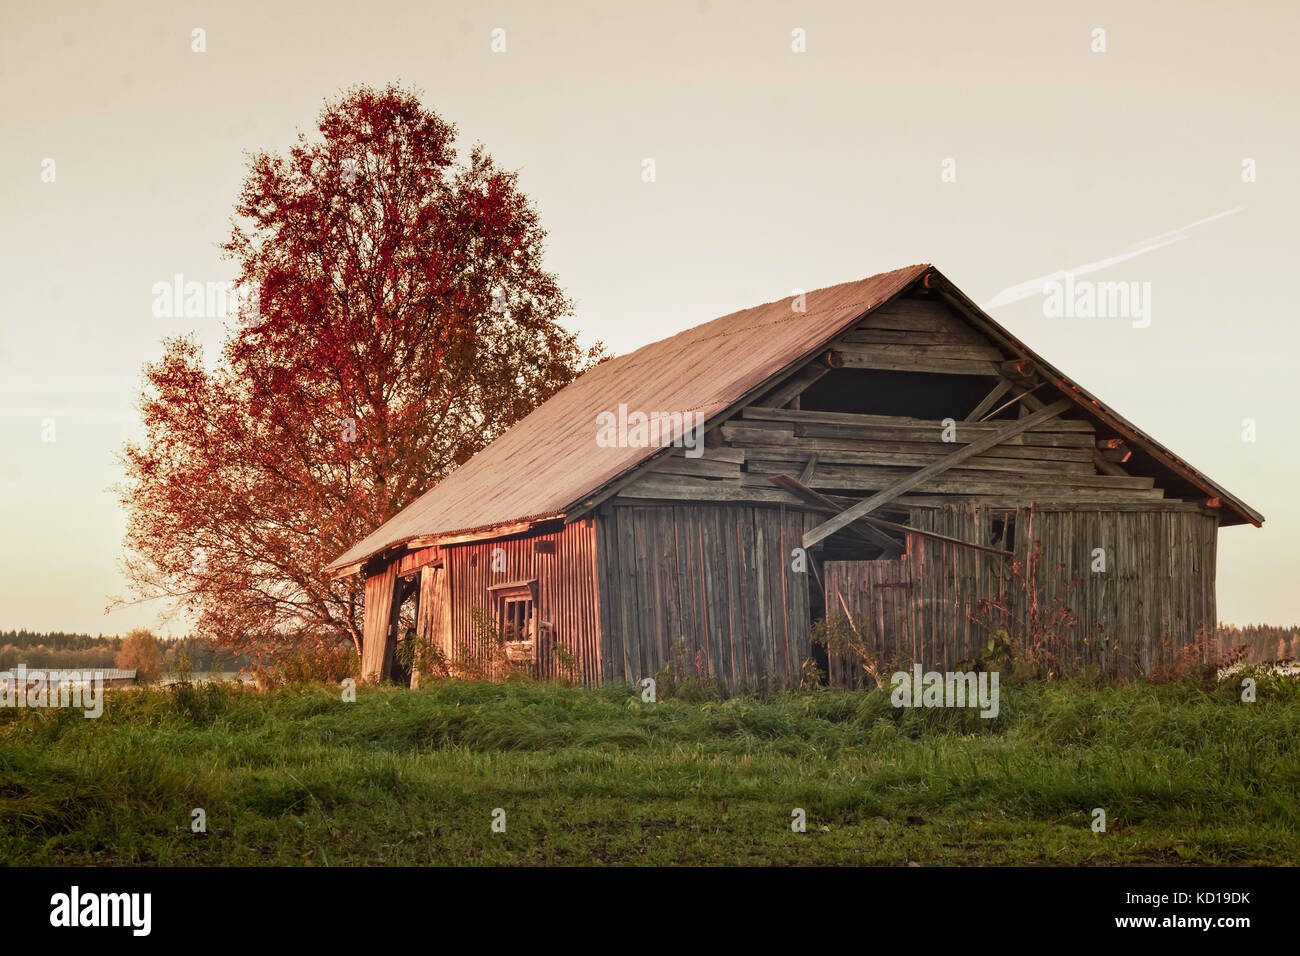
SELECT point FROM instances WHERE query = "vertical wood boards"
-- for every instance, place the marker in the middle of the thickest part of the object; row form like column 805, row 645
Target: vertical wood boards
column 707, row 587
column 1154, row 597
column 567, row 607
column 622, row 592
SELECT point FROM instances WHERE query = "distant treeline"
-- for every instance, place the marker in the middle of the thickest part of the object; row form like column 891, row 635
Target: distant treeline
column 1266, row 642
column 58, row 650
column 61, row 651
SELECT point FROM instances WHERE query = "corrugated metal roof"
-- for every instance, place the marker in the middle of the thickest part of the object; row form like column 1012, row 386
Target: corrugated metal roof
column 550, row 460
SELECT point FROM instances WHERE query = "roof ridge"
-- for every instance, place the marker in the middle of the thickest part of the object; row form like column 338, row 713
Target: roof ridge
column 805, row 315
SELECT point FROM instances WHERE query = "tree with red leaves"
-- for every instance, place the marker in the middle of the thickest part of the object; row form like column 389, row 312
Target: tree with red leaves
column 403, row 320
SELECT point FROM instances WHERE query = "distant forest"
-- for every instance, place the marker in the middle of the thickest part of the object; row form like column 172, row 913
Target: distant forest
column 1266, row 642
column 56, row 650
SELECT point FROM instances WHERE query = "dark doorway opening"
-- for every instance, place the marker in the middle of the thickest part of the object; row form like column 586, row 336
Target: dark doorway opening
column 408, row 613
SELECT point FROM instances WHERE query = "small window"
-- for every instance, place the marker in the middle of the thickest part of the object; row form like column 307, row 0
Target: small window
column 515, row 619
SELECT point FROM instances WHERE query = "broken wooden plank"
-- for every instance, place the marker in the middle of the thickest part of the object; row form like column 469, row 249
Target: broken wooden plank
column 808, row 470
column 1106, row 466
column 785, row 481
column 864, row 527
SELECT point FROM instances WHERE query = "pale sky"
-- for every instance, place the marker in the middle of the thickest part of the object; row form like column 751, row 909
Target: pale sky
column 775, row 170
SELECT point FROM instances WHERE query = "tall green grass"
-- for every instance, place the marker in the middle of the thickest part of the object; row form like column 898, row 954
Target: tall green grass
column 1184, row 772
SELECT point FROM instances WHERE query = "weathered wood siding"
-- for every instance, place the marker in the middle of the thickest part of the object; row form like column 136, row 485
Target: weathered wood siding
column 879, row 596
column 1157, row 593
column 567, row 598
column 716, row 578
column 433, row 624
column 1155, row 596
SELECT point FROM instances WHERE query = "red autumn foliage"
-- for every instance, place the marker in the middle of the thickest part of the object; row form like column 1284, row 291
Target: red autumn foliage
column 403, row 320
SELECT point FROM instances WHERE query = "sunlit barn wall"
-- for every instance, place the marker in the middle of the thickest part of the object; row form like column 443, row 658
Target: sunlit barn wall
column 567, row 600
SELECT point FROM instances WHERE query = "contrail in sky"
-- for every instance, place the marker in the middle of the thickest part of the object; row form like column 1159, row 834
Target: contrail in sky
column 1036, row 286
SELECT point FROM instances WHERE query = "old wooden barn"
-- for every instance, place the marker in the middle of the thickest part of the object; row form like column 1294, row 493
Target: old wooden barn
column 916, row 452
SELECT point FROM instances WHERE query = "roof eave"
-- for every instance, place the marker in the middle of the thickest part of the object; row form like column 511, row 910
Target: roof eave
column 501, row 529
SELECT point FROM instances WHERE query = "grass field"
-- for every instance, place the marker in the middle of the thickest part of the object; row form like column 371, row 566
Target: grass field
column 1185, row 774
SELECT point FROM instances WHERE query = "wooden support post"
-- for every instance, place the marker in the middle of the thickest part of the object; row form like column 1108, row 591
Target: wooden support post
column 433, row 623
column 1032, row 401
column 377, row 636
column 828, row 528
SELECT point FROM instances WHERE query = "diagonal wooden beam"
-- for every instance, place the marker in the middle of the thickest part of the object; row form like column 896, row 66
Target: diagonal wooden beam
column 999, row 389
column 869, row 531
column 904, row 485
